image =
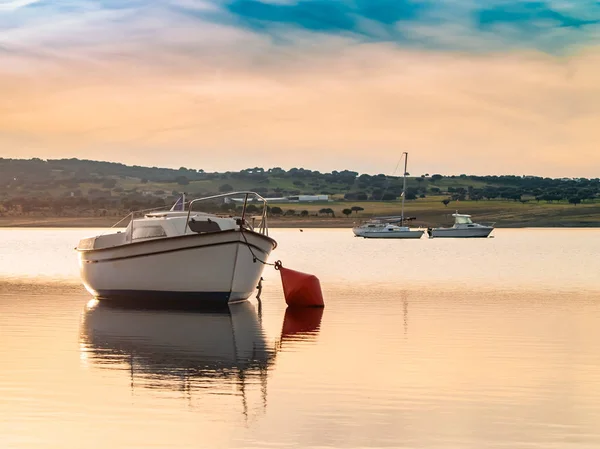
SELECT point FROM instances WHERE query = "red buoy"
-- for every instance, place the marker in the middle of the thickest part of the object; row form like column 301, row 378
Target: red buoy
column 300, row 289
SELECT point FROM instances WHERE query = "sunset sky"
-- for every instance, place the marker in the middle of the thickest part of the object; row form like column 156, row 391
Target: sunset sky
column 465, row 86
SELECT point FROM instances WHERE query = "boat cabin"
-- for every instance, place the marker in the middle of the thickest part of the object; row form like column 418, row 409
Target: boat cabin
column 173, row 224
column 161, row 225
column 462, row 219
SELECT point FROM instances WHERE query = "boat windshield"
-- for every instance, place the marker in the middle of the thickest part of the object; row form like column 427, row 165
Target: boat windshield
column 462, row 219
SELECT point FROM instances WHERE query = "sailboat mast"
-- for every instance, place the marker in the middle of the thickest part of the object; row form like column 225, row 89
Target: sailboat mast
column 404, row 185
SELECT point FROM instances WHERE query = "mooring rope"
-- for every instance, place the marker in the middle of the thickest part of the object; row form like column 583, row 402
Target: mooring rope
column 255, row 258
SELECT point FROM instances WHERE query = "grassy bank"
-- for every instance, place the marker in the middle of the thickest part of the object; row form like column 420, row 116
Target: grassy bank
column 427, row 212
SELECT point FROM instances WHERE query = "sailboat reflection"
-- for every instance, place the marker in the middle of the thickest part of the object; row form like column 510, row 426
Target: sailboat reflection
column 179, row 349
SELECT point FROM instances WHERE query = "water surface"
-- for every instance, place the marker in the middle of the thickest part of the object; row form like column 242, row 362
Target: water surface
column 422, row 344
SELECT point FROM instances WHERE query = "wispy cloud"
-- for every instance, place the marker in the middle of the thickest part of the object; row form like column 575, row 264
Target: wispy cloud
column 547, row 25
column 513, row 23
column 12, row 5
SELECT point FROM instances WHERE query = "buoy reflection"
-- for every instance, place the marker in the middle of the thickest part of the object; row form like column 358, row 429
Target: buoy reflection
column 301, row 323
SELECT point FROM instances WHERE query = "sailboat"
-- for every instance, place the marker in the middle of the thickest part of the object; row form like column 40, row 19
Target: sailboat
column 389, row 227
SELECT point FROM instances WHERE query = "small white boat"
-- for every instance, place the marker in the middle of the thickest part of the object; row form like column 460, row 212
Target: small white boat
column 179, row 255
column 385, row 227
column 463, row 228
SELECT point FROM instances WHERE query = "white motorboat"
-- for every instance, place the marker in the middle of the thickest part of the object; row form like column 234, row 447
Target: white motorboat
column 385, row 227
column 463, row 228
column 179, row 255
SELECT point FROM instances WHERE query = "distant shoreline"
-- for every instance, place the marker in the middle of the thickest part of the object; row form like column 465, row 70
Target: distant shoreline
column 307, row 223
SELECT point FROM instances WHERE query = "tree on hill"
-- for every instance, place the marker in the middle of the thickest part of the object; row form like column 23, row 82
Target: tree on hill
column 347, row 212
column 574, row 200
column 182, row 180
column 389, row 197
column 327, row 211
column 377, row 195
column 109, row 183
column 357, row 209
column 276, row 210
column 35, row 177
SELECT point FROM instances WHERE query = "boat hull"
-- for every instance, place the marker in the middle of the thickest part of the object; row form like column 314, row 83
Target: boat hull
column 479, row 232
column 216, row 267
column 388, row 234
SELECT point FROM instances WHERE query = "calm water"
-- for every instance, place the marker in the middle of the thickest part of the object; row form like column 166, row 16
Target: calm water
column 422, row 344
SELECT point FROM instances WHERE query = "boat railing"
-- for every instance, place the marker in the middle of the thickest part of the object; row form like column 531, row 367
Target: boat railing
column 131, row 216
column 262, row 226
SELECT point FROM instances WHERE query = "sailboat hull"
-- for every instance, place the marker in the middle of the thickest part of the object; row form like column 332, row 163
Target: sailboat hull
column 385, row 234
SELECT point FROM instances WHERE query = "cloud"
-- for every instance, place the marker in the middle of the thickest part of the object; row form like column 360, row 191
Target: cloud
column 512, row 24
column 325, row 15
column 345, row 82
column 13, row 5
column 58, row 27
column 531, row 14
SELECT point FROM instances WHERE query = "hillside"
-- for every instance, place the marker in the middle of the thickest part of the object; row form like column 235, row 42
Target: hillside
column 82, row 188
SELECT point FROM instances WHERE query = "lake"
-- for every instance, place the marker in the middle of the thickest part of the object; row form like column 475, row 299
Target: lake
column 431, row 343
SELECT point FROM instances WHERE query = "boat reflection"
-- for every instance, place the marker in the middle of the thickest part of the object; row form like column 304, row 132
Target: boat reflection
column 179, row 349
